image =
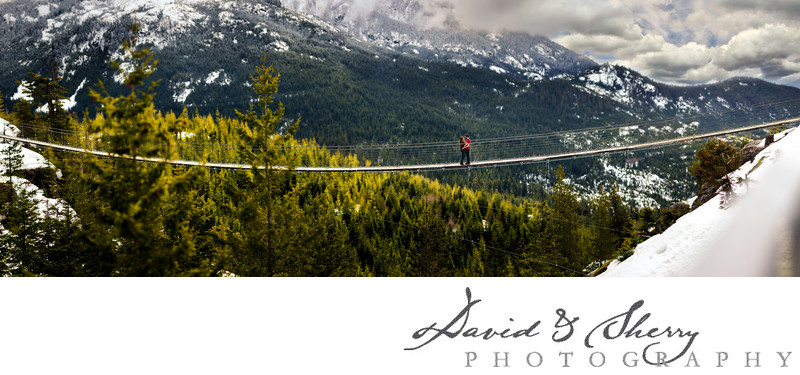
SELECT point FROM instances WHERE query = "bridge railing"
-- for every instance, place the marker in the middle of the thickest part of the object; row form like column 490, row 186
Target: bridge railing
column 189, row 147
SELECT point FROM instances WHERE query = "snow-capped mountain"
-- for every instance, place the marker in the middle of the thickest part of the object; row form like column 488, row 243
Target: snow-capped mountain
column 359, row 76
column 635, row 92
column 409, row 26
column 203, row 46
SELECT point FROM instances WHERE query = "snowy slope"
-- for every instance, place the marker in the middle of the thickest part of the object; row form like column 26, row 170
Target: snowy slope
column 732, row 234
column 30, row 160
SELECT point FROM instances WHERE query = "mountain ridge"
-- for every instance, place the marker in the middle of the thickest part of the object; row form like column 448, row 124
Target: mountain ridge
column 347, row 90
column 399, row 25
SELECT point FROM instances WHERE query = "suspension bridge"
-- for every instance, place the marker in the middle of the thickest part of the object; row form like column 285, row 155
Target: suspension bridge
column 491, row 152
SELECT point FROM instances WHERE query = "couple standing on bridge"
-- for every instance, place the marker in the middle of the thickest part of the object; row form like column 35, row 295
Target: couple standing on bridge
column 464, row 143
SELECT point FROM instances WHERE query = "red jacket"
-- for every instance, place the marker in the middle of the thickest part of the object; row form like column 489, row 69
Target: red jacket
column 466, row 145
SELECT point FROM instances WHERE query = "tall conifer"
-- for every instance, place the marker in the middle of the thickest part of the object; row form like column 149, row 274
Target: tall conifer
column 563, row 226
column 148, row 237
column 262, row 147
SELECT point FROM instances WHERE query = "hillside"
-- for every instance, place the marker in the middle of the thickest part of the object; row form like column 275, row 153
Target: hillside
column 741, row 232
column 347, row 90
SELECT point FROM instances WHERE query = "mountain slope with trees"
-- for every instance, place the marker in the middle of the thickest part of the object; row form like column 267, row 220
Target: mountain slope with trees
column 128, row 218
column 351, row 91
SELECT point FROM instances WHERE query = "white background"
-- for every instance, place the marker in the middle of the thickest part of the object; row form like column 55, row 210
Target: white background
column 361, row 326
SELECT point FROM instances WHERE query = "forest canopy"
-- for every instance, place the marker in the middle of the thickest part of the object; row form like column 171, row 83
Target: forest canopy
column 123, row 217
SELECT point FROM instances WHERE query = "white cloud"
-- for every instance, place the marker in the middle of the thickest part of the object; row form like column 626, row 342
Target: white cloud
column 612, row 44
column 676, row 41
column 752, row 47
column 672, row 59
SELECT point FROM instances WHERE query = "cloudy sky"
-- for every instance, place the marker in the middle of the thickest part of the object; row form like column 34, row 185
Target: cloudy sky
column 674, row 41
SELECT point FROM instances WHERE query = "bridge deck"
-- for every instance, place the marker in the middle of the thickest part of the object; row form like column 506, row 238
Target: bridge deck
column 422, row 167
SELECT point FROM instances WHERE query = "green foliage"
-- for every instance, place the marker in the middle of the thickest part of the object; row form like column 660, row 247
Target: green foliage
column 48, row 93
column 27, row 238
column 10, row 157
column 604, row 240
column 136, row 227
column 563, row 229
column 151, row 219
column 777, row 129
column 20, row 237
column 713, row 162
column 24, row 112
column 269, row 222
column 261, row 146
column 670, row 215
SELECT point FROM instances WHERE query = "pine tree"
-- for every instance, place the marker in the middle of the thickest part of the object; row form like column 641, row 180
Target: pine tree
column 20, row 219
column 20, row 239
column 261, row 147
column 47, row 92
column 24, row 115
column 2, row 106
column 713, row 162
column 603, row 238
column 146, row 236
column 612, row 223
column 620, row 216
column 10, row 158
column 563, row 226
column 474, row 266
column 427, row 259
column 542, row 258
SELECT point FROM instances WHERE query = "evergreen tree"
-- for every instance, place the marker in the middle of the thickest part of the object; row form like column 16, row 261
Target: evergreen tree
column 2, row 106
column 47, row 92
column 542, row 258
column 612, row 223
column 24, row 114
column 20, row 219
column 713, row 162
column 21, row 234
column 133, row 195
column 474, row 265
column 620, row 217
column 603, row 239
column 563, row 226
column 427, row 259
column 10, row 157
column 262, row 147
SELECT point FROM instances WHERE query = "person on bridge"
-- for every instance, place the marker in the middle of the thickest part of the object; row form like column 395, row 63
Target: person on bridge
column 465, row 149
column 461, row 143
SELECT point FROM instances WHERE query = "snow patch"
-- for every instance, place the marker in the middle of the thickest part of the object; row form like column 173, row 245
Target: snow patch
column 68, row 104
column 660, row 101
column 279, row 46
column 21, row 94
column 213, row 77
column 497, row 69
column 638, row 186
column 182, row 91
column 30, row 159
column 8, row 129
column 44, row 10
